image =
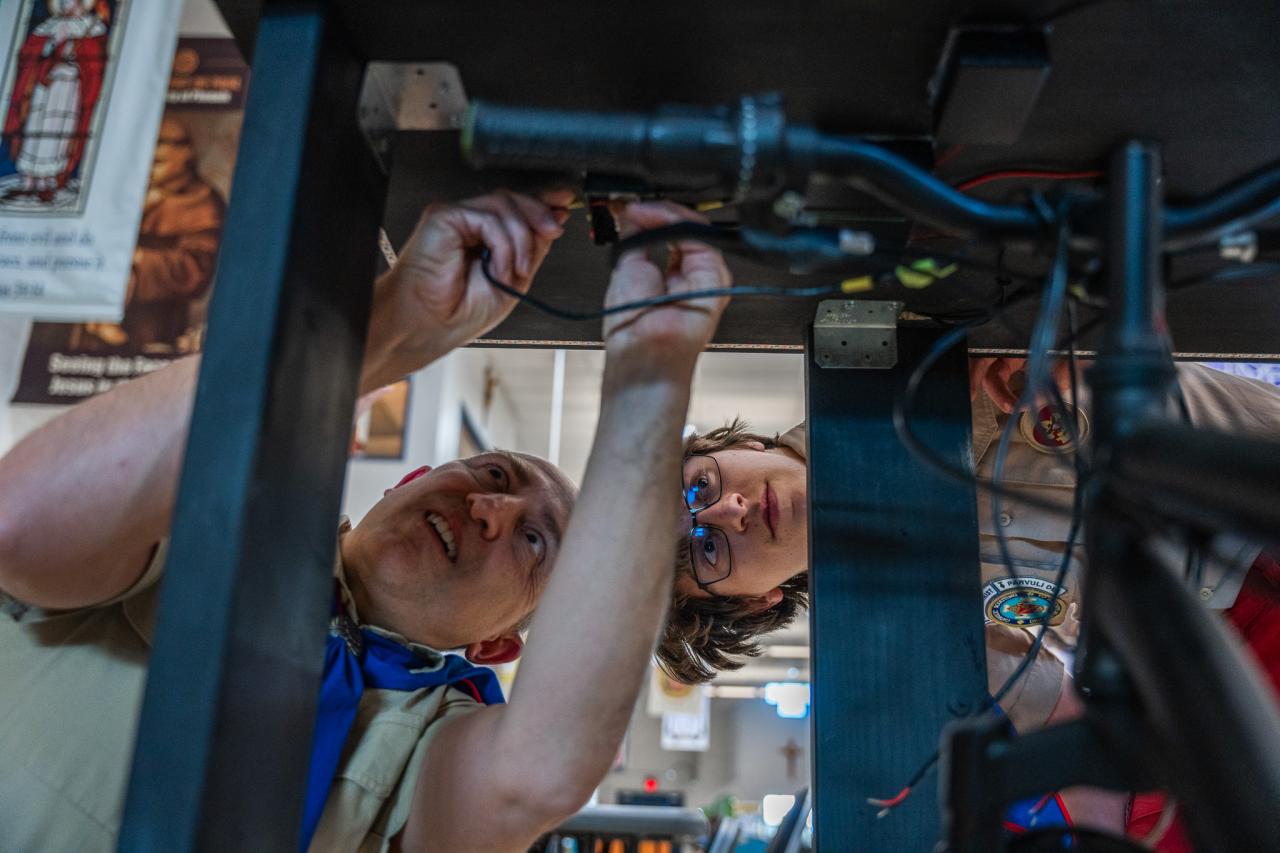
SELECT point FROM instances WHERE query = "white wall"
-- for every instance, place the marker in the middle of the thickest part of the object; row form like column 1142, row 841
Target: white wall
column 436, row 398
column 745, row 758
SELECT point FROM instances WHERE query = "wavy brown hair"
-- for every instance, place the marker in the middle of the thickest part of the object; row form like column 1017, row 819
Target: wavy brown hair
column 704, row 636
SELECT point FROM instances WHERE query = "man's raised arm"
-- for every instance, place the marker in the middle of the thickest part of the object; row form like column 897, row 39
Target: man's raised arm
column 85, row 499
column 496, row 778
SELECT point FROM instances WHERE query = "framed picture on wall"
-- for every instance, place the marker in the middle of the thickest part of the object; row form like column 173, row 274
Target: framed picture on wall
column 381, row 423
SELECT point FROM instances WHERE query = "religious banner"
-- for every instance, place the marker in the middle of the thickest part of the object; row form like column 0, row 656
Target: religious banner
column 688, row 731
column 668, row 696
column 171, row 266
column 81, row 91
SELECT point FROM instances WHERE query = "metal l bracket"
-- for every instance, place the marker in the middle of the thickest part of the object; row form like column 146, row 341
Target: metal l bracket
column 408, row 96
column 856, row 333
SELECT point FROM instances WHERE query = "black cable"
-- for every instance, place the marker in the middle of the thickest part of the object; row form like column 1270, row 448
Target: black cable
column 738, row 291
column 1037, row 371
column 905, row 403
column 729, row 237
column 1046, row 325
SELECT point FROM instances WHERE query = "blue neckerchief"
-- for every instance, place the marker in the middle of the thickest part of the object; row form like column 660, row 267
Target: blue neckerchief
column 356, row 659
column 1034, row 812
column 1037, row 813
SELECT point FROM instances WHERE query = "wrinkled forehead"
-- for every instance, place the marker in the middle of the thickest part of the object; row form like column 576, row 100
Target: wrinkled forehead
column 560, row 491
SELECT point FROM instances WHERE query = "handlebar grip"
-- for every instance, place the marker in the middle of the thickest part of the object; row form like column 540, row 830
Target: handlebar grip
column 658, row 145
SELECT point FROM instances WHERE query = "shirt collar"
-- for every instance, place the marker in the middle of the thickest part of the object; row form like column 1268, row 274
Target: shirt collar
column 986, row 423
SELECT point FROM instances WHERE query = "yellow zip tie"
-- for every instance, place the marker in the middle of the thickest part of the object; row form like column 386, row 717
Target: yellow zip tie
column 704, row 206
column 861, row 284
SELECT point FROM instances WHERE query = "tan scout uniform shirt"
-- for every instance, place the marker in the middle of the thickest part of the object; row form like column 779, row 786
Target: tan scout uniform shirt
column 71, row 685
column 1037, row 538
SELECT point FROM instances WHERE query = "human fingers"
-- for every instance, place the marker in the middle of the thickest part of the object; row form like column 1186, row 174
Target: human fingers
column 540, row 215
column 698, row 265
column 549, row 224
column 559, row 199
column 513, row 220
column 449, row 230
column 638, row 216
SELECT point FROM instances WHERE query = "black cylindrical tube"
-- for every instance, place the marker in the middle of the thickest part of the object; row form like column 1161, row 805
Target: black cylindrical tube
column 1232, row 207
column 693, row 145
column 1130, row 380
column 905, row 187
column 1133, row 244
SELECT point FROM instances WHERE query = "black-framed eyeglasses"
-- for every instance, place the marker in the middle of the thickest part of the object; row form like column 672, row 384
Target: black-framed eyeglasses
column 709, row 552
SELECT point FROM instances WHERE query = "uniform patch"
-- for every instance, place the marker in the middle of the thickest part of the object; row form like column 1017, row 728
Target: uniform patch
column 1022, row 601
column 1046, row 430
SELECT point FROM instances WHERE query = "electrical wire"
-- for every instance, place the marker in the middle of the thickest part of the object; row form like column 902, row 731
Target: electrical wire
column 667, row 299
column 904, row 405
column 1030, row 174
column 1046, row 327
column 1037, row 371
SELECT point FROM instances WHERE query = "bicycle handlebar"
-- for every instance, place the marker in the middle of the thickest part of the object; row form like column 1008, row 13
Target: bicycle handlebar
column 753, row 152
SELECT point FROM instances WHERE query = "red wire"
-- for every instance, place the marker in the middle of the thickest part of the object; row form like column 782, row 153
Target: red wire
column 886, row 805
column 1036, row 174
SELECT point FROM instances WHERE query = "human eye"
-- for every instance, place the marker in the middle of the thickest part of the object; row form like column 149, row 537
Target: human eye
column 699, row 480
column 493, row 474
column 706, row 548
column 536, row 541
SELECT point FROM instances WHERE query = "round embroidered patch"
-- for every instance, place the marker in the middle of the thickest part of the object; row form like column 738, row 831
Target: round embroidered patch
column 1047, row 432
column 1024, row 607
column 1022, row 601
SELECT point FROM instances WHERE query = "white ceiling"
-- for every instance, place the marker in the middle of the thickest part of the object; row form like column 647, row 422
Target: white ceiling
column 767, row 389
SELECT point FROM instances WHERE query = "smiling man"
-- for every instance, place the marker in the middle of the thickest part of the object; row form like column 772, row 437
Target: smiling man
column 413, row 750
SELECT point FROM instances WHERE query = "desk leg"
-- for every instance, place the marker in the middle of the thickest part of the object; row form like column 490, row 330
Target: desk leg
column 896, row 633
column 225, row 731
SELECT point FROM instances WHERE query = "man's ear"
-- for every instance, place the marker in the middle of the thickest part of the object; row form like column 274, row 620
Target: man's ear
column 750, row 445
column 499, row 650
column 760, row 603
column 412, row 475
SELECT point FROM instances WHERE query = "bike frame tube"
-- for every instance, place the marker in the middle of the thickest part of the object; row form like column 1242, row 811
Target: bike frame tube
column 1146, row 638
column 702, row 145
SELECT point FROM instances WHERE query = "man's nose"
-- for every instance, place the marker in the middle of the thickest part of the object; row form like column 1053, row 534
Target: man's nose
column 495, row 512
column 728, row 513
